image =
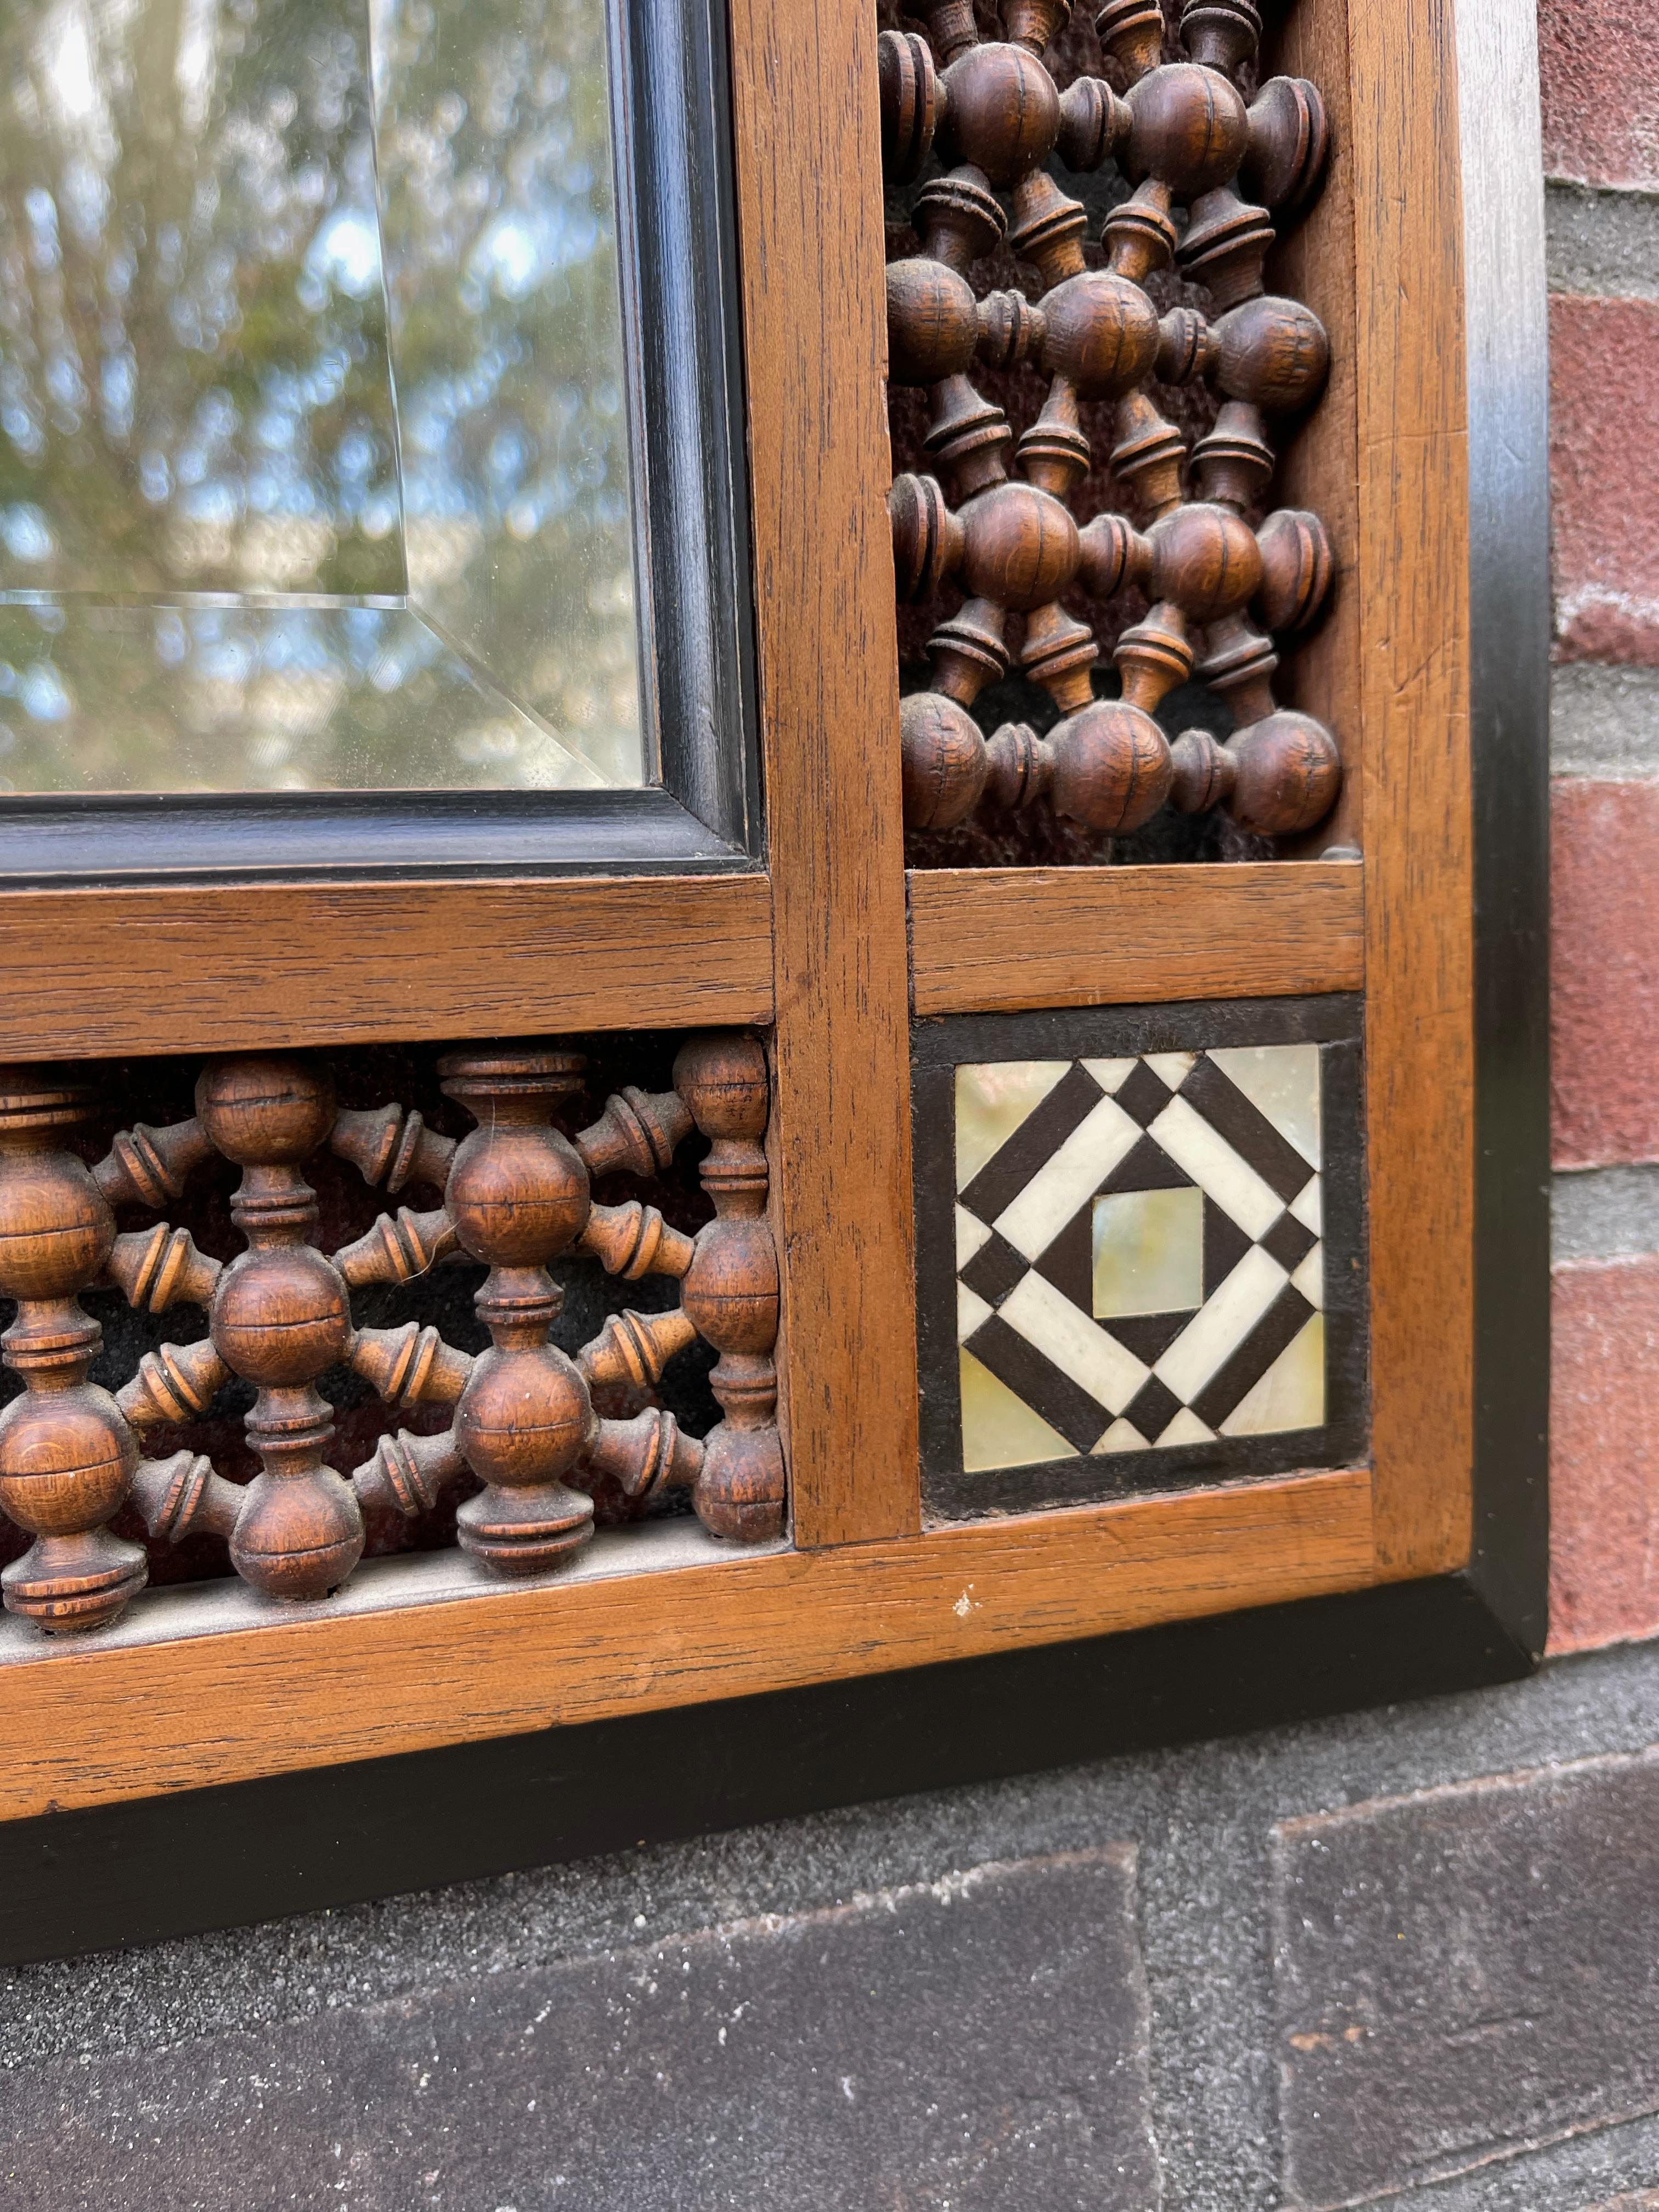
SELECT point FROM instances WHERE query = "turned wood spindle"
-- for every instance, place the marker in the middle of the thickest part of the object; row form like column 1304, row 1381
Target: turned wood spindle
column 730, row 1293
column 517, row 1195
column 67, row 1455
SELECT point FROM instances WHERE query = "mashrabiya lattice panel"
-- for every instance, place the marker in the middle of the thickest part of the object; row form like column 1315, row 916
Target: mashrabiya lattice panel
column 1215, row 180
column 1140, row 1259
column 516, row 1194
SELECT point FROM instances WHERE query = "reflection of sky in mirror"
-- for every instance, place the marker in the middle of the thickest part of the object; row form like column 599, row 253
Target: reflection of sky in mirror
column 262, row 334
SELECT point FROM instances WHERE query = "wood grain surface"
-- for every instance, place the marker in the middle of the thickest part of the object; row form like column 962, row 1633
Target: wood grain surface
column 1319, row 460
column 91, row 1724
column 999, row 939
column 1414, row 679
column 226, row 967
column 809, row 176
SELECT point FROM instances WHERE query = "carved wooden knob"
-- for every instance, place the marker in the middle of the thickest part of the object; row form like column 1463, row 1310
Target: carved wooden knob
column 518, row 1191
column 1020, row 547
column 1002, row 112
column 1274, row 353
column 1289, row 772
column 523, row 1422
column 740, row 1487
column 910, row 103
column 722, row 1076
column 1289, row 139
column 1094, row 124
column 1205, row 559
column 66, row 1459
column 1296, row 568
column 942, row 759
column 299, row 1538
column 1187, row 128
column 281, row 1315
column 1204, row 772
column 927, row 538
column 1111, row 766
column 1100, row 333
column 262, row 1110
column 932, row 322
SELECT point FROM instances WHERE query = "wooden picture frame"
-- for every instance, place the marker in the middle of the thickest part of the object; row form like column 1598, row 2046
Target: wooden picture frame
column 217, row 1765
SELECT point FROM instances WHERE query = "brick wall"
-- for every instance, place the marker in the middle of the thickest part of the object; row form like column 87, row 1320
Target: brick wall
column 1601, row 86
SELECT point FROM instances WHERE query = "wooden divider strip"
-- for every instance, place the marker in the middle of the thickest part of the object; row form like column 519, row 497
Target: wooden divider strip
column 998, row 940
column 1414, row 675
column 809, row 178
column 227, row 967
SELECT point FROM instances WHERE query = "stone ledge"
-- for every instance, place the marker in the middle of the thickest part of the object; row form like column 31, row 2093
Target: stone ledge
column 979, row 2041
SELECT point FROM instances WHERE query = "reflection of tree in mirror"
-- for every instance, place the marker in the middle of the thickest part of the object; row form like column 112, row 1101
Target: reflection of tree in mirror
column 202, row 219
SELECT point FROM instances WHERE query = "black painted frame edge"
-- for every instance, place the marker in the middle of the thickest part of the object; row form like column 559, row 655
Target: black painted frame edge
column 1507, row 354
column 939, row 1044
column 162, row 1867
column 670, row 108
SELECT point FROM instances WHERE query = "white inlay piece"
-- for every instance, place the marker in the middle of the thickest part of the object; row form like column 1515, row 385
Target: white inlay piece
column 1309, row 1208
column 1281, row 1081
column 1186, row 1429
column 1216, row 1168
column 1310, row 1277
column 1221, row 1326
column 1109, row 1074
column 1046, row 1318
column 1148, row 1252
column 1069, row 1178
column 999, row 1428
column 1122, row 1435
column 971, row 1233
column 992, row 1099
column 1173, row 1067
column 1291, row 1395
column 971, row 1310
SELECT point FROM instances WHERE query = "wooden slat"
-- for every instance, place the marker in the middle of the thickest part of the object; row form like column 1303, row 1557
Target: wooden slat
column 995, row 939
column 809, row 177
column 89, row 1726
column 220, row 968
column 1413, row 665
column 1319, row 464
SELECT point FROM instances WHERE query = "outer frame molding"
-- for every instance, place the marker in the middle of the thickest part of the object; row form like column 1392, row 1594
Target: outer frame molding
column 132, row 1873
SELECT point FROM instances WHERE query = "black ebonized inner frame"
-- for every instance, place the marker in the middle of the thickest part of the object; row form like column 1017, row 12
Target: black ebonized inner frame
column 677, row 229
column 939, row 1047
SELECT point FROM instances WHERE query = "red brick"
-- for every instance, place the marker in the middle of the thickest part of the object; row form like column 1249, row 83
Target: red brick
column 1601, row 86
column 1604, row 1454
column 1605, row 965
column 1604, row 477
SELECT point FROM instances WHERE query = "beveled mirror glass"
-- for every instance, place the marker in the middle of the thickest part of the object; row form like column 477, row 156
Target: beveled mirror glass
column 314, row 425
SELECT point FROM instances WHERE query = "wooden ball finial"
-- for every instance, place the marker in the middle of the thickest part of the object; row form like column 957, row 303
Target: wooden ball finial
column 1188, row 128
column 1111, row 766
column 942, row 754
column 1289, row 772
column 1002, row 112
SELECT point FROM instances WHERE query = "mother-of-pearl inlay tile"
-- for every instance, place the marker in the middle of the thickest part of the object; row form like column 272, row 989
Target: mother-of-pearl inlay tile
column 1138, row 1251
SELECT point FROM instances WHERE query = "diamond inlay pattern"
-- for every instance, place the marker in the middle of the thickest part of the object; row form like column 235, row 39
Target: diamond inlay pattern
column 1140, row 1259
